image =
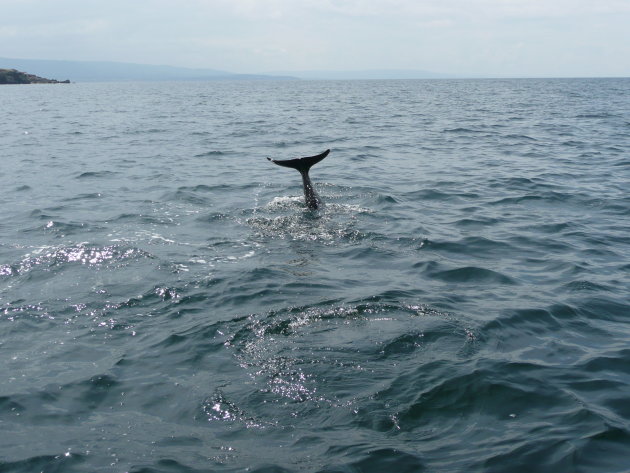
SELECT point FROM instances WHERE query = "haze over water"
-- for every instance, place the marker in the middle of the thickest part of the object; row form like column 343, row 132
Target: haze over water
column 168, row 304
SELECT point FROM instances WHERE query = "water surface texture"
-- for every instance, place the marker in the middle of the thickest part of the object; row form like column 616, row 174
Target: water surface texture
column 461, row 303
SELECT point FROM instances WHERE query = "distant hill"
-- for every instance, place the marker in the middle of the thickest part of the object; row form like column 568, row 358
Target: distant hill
column 12, row 76
column 100, row 71
column 369, row 74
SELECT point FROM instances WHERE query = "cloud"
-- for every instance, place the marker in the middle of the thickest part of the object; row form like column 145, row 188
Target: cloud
column 475, row 36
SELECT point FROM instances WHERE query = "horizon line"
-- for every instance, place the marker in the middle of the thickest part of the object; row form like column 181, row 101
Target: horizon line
column 295, row 74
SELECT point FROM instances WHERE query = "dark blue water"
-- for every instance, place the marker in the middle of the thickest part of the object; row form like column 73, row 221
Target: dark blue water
column 168, row 304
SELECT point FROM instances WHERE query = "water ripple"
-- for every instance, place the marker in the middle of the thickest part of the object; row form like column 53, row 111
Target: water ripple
column 168, row 303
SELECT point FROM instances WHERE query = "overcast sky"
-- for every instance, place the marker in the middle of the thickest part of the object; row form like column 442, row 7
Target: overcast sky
column 480, row 37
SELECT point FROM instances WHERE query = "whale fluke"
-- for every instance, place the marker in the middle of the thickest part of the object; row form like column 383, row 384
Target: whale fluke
column 303, row 165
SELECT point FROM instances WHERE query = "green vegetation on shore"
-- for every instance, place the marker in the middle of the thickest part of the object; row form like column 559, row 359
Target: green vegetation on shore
column 13, row 76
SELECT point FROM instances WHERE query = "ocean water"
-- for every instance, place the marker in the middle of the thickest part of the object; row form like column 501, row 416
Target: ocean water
column 461, row 303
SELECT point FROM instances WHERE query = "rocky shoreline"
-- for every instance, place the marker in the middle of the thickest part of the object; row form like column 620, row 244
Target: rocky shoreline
column 13, row 76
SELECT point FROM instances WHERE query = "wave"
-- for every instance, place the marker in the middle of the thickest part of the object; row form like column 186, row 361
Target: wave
column 58, row 228
column 467, row 275
column 48, row 258
column 210, row 154
column 96, row 175
column 459, row 304
column 269, row 344
column 435, row 194
column 460, row 130
column 477, row 222
column 64, row 461
column 470, row 246
column 189, row 196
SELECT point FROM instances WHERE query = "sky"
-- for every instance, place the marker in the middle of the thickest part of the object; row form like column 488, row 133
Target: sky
column 524, row 38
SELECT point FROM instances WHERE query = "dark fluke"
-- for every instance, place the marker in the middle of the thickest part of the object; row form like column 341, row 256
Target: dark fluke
column 303, row 165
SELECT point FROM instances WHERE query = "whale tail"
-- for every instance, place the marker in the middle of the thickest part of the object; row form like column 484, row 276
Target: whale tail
column 301, row 164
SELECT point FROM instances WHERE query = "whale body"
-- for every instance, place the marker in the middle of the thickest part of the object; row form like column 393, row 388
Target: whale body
column 303, row 165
